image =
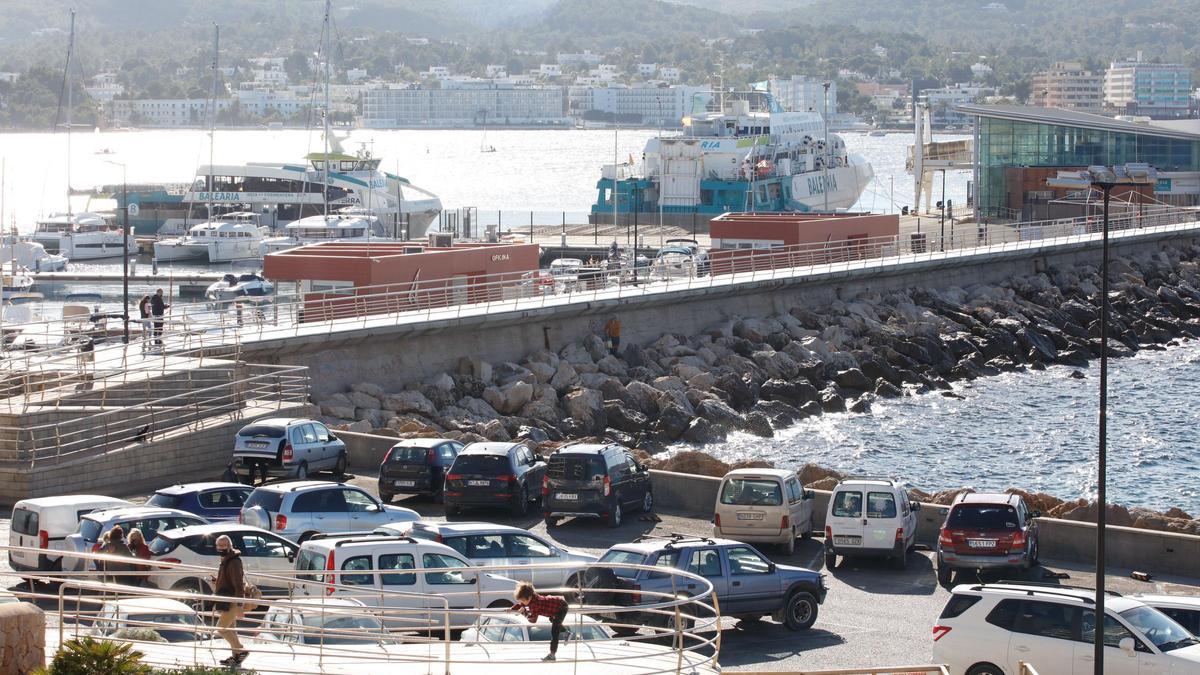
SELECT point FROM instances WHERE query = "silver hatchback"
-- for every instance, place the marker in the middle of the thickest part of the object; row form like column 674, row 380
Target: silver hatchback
column 281, row 446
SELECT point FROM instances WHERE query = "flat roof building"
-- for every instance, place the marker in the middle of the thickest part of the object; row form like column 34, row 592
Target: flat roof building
column 1154, row 89
column 1013, row 143
column 1067, row 84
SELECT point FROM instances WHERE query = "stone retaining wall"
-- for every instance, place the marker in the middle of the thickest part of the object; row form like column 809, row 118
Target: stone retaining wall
column 22, row 638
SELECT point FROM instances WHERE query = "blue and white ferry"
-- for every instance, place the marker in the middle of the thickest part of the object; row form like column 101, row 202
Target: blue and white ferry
column 740, row 151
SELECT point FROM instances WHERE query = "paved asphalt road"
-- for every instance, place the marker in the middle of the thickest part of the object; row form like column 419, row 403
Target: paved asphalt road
column 874, row 615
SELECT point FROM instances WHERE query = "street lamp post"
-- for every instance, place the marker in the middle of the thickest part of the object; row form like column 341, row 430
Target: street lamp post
column 943, row 209
column 124, row 249
column 1106, row 179
column 825, row 159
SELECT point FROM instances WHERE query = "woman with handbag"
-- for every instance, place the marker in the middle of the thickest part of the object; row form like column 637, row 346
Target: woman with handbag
column 230, row 582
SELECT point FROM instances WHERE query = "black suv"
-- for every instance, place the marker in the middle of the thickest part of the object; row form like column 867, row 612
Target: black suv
column 494, row 474
column 417, row 466
column 594, row 481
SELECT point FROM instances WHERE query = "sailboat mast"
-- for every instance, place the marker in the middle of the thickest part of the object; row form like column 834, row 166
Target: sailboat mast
column 325, row 49
column 70, row 105
column 212, row 115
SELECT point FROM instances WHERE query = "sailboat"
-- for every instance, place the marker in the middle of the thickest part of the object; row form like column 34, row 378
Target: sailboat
column 483, row 146
column 80, row 236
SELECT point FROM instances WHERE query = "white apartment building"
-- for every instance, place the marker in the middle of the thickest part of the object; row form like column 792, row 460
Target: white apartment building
column 670, row 74
column 437, row 72
column 943, row 101
column 549, row 70
column 586, row 59
column 496, row 70
column 160, row 112
column 656, row 106
column 647, row 69
column 465, row 106
column 270, row 78
column 262, row 103
column 803, row 94
column 1067, row 84
column 10, row 77
column 104, row 87
column 356, row 74
column 1155, row 89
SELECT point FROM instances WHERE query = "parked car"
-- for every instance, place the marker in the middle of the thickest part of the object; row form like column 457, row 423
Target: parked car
column 214, row 502
column 297, row 510
column 987, row 531
column 261, row 551
column 44, row 523
column 747, row 585
column 541, row 561
column 514, row 628
column 588, row 480
column 1185, row 610
column 988, row 629
column 870, row 517
column 149, row 519
column 324, row 621
column 494, row 474
column 171, row 619
column 418, row 573
column 281, row 446
column 417, row 466
column 767, row 506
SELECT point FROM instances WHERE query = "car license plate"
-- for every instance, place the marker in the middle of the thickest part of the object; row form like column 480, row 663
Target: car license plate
column 981, row 543
column 479, row 483
column 749, row 516
column 257, row 444
column 847, row 541
column 405, row 483
column 567, row 496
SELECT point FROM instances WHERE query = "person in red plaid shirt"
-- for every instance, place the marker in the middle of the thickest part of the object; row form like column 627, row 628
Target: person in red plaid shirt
column 532, row 605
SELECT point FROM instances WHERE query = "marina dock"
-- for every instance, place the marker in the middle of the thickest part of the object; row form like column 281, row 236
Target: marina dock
column 188, row 283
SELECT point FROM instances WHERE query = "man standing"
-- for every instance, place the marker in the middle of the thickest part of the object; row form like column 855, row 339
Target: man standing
column 230, row 582
column 612, row 333
column 158, row 307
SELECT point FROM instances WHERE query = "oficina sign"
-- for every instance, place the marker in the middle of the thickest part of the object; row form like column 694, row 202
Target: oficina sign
column 499, row 257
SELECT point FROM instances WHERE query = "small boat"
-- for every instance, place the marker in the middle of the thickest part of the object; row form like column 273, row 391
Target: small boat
column 30, row 255
column 239, row 286
column 233, row 236
column 18, row 282
column 681, row 257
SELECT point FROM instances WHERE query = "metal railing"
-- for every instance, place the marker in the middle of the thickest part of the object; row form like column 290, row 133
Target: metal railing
column 882, row 670
column 425, row 631
column 263, row 387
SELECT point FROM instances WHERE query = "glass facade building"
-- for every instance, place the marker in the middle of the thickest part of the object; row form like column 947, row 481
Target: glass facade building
column 1003, row 139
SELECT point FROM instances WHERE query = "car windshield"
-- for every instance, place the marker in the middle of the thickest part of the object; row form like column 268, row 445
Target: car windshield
column 89, row 529
column 575, row 467
column 343, row 630
column 165, row 625
column 488, row 465
column 161, row 546
column 618, row 557
column 983, row 517
column 269, row 500
column 164, row 501
column 751, row 492
column 408, row 455
column 309, row 560
column 540, row 632
column 1159, row 628
column 261, row 431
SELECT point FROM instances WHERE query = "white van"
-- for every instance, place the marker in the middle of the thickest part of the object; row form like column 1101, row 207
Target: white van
column 763, row 506
column 43, row 523
column 407, row 578
column 870, row 517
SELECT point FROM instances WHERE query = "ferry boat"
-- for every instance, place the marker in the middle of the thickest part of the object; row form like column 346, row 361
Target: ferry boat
column 291, row 192
column 232, row 236
column 49, row 231
column 740, row 151
column 154, row 209
column 322, row 229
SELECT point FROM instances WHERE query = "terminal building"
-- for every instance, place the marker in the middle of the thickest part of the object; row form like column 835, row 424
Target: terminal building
column 1018, row 147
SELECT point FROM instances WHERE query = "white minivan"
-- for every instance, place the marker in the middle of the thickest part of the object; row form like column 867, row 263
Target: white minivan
column 412, row 580
column 763, row 506
column 870, row 517
column 43, row 523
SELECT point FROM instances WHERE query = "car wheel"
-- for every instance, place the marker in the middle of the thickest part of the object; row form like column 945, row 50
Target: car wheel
column 1034, row 558
column 614, row 515
column 192, row 587
column 648, row 502
column 944, row 574
column 339, row 469
column 551, row 521
column 302, row 471
column 521, row 506
column 985, row 669
column 571, row 590
column 386, row 497
column 439, row 493
column 830, row 560
column 453, row 510
column 800, row 612
column 789, row 547
column 900, row 562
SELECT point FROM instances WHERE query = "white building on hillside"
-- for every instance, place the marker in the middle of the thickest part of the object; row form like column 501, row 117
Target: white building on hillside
column 655, row 106
column 1140, row 88
column 670, row 74
column 463, row 105
column 161, row 112
column 803, row 94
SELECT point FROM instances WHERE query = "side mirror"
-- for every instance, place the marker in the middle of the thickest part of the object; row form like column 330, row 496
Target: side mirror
column 770, row 568
column 473, row 580
column 1126, row 645
column 374, row 508
column 291, row 556
column 915, row 506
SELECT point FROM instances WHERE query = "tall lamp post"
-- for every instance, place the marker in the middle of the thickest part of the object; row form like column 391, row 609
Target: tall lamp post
column 124, row 248
column 825, row 159
column 1105, row 178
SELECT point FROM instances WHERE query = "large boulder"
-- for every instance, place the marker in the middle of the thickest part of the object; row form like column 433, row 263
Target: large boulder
column 478, row 407
column 494, row 430
column 669, row 382
column 853, row 379
column 410, row 401
column 832, row 401
column 369, row 389
column 541, row 370
column 625, row 419
column 796, row 392
column 565, row 377
column 694, row 462
column 363, row 400
column 611, row 365
column 777, row 364
column 672, row 422
column 779, row 414
column 811, row 473
column 702, row 431
column 541, row 410
column 642, row 397
column 1115, row 514
column 575, row 353
column 338, row 405
column 475, row 367
column 514, row 397
column 587, row 407
column 758, row 424
column 509, row 372
column 720, row 413
column 757, row 330
column 595, row 347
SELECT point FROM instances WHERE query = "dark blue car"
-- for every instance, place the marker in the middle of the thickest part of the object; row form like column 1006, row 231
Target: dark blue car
column 215, row 502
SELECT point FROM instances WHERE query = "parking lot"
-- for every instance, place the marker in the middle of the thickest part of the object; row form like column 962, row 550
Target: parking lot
column 874, row 615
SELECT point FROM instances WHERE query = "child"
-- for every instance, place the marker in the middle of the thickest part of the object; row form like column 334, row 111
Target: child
column 532, row 605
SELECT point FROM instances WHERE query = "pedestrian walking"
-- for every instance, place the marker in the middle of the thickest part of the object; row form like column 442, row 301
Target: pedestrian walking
column 532, row 605
column 158, row 307
column 612, row 334
column 230, row 582
column 114, row 571
column 139, row 549
column 144, row 321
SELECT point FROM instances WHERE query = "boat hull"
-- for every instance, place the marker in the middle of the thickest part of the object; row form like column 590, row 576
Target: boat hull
column 96, row 246
column 172, row 250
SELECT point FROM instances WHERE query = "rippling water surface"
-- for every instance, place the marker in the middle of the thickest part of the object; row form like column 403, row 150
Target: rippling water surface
column 1035, row 430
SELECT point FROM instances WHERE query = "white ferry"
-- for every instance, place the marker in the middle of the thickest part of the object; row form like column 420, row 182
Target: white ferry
column 229, row 237
column 83, row 236
column 322, row 229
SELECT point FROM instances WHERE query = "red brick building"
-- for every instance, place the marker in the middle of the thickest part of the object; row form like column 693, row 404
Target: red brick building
column 745, row 241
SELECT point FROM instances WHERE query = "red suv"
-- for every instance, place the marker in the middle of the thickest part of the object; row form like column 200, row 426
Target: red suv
column 987, row 531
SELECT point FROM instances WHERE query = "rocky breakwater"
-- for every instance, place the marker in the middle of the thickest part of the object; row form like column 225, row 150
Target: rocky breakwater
column 758, row 374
